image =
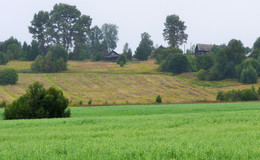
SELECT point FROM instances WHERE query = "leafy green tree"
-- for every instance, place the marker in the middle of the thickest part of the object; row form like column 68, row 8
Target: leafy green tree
column 63, row 18
column 235, row 51
column 204, row 61
column 127, row 52
column 13, row 51
column 249, row 75
column 54, row 61
column 10, row 41
column 80, row 53
column 110, row 34
column 249, row 95
column 59, row 51
column 81, row 47
column 175, row 63
column 249, row 61
column 145, row 47
column 40, row 26
column 161, row 53
column 174, row 32
column 98, row 57
column 158, row 99
column 8, row 76
column 55, row 103
column 34, row 51
column 257, row 44
column 121, row 60
column 96, row 38
column 63, row 25
column 38, row 64
column 81, row 31
column 24, row 53
column 3, row 59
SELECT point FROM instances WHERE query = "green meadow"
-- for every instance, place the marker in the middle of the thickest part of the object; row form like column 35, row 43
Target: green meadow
column 176, row 131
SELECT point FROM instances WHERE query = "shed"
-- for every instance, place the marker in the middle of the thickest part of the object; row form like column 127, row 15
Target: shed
column 111, row 56
column 202, row 49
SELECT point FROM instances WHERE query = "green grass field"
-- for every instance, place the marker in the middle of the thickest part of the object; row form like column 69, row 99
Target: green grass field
column 108, row 83
column 179, row 131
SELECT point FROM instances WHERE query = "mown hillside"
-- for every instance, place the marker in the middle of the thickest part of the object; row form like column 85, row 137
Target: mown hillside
column 108, row 83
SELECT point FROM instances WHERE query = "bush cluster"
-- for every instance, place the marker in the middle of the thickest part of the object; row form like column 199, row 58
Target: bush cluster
column 161, row 53
column 8, row 76
column 38, row 103
column 239, row 95
column 175, row 63
column 54, row 61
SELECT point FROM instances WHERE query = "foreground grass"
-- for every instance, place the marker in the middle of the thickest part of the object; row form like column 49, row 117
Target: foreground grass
column 191, row 131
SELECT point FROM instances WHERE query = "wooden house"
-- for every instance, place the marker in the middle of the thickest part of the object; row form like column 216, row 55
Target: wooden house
column 111, row 56
column 202, row 49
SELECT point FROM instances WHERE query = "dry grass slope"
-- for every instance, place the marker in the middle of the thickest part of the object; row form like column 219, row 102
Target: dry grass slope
column 104, row 82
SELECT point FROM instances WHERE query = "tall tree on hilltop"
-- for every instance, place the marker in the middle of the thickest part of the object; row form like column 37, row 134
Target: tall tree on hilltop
column 127, row 51
column 39, row 29
column 63, row 25
column 63, row 17
column 145, row 47
column 110, row 34
column 95, row 38
column 174, row 31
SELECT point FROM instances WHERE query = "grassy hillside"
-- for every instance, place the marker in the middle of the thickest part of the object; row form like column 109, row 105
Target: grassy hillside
column 104, row 82
column 190, row 131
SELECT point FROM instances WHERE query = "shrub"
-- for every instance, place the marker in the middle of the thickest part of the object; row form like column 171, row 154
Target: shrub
column 122, row 64
column 121, row 60
column 58, row 52
column 98, row 57
column 81, row 103
column 89, row 102
column 202, row 75
column 161, row 53
column 8, row 76
column 38, row 102
column 3, row 59
column 221, row 96
column 158, row 99
column 249, row 95
column 238, row 95
column 249, row 75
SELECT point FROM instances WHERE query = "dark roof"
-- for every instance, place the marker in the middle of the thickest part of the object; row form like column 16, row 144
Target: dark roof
column 204, row 47
column 161, row 47
column 111, row 54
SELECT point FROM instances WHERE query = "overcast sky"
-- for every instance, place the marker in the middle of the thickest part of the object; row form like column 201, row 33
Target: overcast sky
column 207, row 21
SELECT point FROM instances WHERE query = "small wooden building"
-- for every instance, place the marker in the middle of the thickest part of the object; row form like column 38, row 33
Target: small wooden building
column 202, row 49
column 111, row 56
